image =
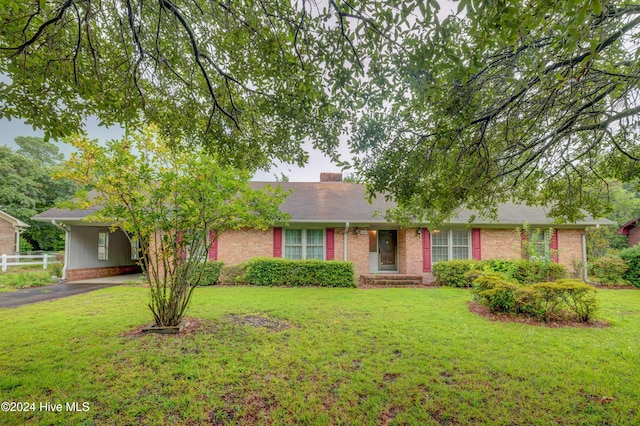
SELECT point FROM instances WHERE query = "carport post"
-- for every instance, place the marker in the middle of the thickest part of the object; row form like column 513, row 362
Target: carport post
column 44, row 261
column 4, row 263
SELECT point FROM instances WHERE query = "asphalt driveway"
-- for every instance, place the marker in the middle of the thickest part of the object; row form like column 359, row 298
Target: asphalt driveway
column 26, row 296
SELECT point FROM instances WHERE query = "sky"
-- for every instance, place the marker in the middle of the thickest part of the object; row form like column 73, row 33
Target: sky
column 310, row 173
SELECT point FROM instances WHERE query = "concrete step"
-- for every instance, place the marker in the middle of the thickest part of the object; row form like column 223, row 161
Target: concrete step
column 387, row 280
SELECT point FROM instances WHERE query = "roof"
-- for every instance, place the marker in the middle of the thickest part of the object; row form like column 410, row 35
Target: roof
column 624, row 229
column 15, row 222
column 341, row 202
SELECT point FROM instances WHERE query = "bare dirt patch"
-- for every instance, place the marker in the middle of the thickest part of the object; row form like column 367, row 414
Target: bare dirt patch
column 483, row 311
column 258, row 321
column 192, row 325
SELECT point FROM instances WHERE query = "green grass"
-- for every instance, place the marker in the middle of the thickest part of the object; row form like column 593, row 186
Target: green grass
column 396, row 356
column 10, row 281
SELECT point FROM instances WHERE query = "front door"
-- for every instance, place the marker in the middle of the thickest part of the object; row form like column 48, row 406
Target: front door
column 387, row 243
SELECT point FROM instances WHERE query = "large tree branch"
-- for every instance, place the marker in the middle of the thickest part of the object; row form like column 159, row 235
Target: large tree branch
column 19, row 49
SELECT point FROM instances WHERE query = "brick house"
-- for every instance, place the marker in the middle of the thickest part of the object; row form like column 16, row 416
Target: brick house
column 632, row 230
column 332, row 220
column 10, row 230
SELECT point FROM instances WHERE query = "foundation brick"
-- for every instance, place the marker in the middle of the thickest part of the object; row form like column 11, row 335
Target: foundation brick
column 89, row 273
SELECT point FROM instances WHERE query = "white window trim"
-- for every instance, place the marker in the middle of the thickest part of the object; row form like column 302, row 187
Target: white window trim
column 304, row 242
column 450, row 245
column 106, row 245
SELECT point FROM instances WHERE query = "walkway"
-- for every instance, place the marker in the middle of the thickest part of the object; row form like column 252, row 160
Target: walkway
column 25, row 296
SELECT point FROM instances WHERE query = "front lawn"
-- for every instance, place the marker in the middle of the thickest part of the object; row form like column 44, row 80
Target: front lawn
column 317, row 356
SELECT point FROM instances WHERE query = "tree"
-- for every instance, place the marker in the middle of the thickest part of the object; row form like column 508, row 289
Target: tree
column 26, row 188
column 535, row 102
column 173, row 203
column 247, row 80
column 510, row 100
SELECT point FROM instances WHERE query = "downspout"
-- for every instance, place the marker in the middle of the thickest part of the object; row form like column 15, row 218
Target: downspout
column 346, row 232
column 584, row 256
column 67, row 232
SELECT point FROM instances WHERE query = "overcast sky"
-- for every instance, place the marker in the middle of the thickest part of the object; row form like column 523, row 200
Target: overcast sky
column 311, row 173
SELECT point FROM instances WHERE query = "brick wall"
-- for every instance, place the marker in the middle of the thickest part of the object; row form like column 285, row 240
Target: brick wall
column 570, row 247
column 410, row 251
column 241, row 245
column 634, row 236
column 500, row 243
column 89, row 273
column 357, row 250
column 7, row 237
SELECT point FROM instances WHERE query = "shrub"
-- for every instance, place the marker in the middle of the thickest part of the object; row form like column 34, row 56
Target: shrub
column 208, row 272
column 233, row 274
column 270, row 271
column 579, row 297
column 543, row 300
column 533, row 271
column 501, row 298
column 631, row 256
column 452, row 273
column 608, row 270
column 501, row 266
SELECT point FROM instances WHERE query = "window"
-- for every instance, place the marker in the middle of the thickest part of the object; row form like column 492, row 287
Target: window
column 450, row 244
column 539, row 244
column 304, row 244
column 103, row 245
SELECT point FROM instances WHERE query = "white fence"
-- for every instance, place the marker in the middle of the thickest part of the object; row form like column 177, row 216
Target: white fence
column 16, row 260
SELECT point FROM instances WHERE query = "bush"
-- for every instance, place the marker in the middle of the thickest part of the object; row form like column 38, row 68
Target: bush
column 631, row 256
column 534, row 271
column 233, row 274
column 208, row 272
column 274, row 271
column 579, row 297
column 608, row 270
column 452, row 273
column 543, row 300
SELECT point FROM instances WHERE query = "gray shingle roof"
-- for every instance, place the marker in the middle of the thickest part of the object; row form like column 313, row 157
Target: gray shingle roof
column 338, row 203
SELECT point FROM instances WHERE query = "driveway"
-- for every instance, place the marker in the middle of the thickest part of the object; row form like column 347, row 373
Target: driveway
column 26, row 296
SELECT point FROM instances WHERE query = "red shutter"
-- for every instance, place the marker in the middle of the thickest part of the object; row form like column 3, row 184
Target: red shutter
column 553, row 245
column 329, row 235
column 213, row 249
column 476, row 251
column 523, row 239
column 277, row 242
column 426, row 250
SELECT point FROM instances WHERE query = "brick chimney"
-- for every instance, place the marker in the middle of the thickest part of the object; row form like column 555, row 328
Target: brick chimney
column 330, row 177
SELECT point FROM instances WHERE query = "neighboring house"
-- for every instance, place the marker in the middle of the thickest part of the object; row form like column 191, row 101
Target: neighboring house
column 333, row 220
column 632, row 230
column 10, row 230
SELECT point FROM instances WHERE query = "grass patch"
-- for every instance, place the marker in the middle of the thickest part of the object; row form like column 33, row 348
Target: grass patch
column 318, row 356
column 14, row 280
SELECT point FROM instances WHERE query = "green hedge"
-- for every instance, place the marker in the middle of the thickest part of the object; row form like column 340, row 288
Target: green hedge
column 453, row 273
column 545, row 301
column 461, row 273
column 208, row 272
column 631, row 256
column 233, row 274
column 274, row 271
column 609, row 271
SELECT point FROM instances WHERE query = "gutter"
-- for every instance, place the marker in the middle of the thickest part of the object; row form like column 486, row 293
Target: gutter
column 67, row 242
